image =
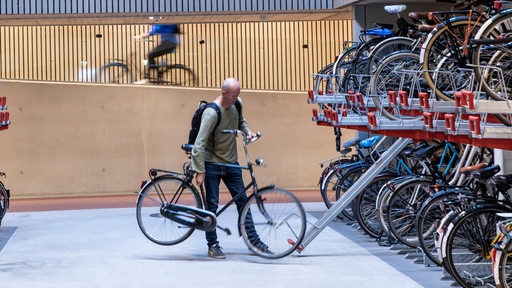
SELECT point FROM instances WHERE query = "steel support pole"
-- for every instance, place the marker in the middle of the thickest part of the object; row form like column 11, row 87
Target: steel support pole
column 355, row 189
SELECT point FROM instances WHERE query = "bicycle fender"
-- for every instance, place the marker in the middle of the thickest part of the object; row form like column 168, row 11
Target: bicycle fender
column 151, row 181
column 488, row 22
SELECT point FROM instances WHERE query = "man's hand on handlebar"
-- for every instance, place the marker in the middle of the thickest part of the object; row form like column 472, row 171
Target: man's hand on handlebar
column 249, row 137
column 252, row 136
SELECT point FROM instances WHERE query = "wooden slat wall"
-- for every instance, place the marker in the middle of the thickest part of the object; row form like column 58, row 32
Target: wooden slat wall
column 263, row 55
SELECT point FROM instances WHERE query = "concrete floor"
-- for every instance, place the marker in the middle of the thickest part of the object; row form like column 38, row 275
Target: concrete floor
column 105, row 248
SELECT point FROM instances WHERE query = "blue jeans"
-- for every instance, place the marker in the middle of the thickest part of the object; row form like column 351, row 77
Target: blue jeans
column 232, row 178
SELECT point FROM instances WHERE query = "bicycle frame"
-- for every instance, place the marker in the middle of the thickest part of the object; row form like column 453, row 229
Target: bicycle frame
column 188, row 176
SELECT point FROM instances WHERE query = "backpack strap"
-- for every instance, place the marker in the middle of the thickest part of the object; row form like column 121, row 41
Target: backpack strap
column 215, row 107
column 238, row 106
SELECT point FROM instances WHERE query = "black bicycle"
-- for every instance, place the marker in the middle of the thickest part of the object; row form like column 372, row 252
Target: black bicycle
column 4, row 198
column 170, row 208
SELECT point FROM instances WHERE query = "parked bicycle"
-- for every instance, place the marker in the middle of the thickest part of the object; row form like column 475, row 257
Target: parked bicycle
column 4, row 198
column 170, row 208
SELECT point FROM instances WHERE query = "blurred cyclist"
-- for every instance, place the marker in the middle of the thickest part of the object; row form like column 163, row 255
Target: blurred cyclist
column 169, row 39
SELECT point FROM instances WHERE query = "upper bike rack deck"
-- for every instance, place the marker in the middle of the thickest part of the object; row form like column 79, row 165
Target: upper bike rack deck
column 466, row 120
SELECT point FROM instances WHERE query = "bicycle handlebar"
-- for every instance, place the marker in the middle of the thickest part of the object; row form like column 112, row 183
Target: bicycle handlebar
column 246, row 141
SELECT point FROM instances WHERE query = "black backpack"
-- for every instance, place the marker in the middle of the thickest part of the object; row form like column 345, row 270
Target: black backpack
column 196, row 119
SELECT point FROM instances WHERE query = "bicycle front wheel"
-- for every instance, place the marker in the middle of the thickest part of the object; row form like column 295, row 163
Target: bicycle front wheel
column 469, row 243
column 4, row 201
column 503, row 265
column 179, row 75
column 157, row 193
column 279, row 220
column 365, row 206
column 445, row 66
column 403, row 206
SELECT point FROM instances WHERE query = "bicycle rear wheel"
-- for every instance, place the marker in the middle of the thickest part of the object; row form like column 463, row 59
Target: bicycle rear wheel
column 445, row 67
column 154, row 195
column 179, row 75
column 429, row 217
column 395, row 73
column 492, row 60
column 279, row 220
column 503, row 265
column 403, row 206
column 365, row 206
column 117, row 73
column 323, row 80
column 4, row 201
column 469, row 243
column 330, row 189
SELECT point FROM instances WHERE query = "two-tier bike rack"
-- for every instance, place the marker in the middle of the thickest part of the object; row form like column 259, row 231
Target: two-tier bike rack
column 467, row 120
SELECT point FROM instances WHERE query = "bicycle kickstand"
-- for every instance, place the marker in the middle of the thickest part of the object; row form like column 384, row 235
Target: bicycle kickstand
column 225, row 229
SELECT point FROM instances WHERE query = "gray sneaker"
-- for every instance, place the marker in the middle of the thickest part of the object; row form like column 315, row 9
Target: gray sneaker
column 262, row 247
column 215, row 251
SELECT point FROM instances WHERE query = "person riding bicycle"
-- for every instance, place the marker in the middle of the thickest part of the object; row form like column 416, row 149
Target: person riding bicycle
column 212, row 146
column 169, row 39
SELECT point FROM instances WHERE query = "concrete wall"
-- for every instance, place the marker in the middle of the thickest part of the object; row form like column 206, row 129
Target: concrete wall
column 70, row 140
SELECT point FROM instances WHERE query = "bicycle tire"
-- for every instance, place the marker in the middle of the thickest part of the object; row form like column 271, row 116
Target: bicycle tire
column 329, row 188
column 342, row 66
column 365, row 203
column 160, row 191
column 428, row 218
column 323, row 81
column 345, row 180
column 469, row 242
column 179, row 75
column 503, row 265
column 385, row 192
column 403, row 206
column 4, row 201
column 357, row 78
column 492, row 61
column 387, row 47
column 332, row 166
column 115, row 73
column 281, row 228
column 441, row 68
column 485, row 56
column 390, row 76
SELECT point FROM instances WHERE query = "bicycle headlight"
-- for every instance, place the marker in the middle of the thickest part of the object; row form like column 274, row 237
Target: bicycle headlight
column 260, row 162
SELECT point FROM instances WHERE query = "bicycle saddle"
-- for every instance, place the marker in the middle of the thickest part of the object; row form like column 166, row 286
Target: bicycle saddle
column 504, row 182
column 345, row 151
column 410, row 151
column 367, row 143
column 417, row 16
column 467, row 169
column 378, row 32
column 187, row 147
column 395, row 9
column 486, row 173
column 427, row 152
column 352, row 142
